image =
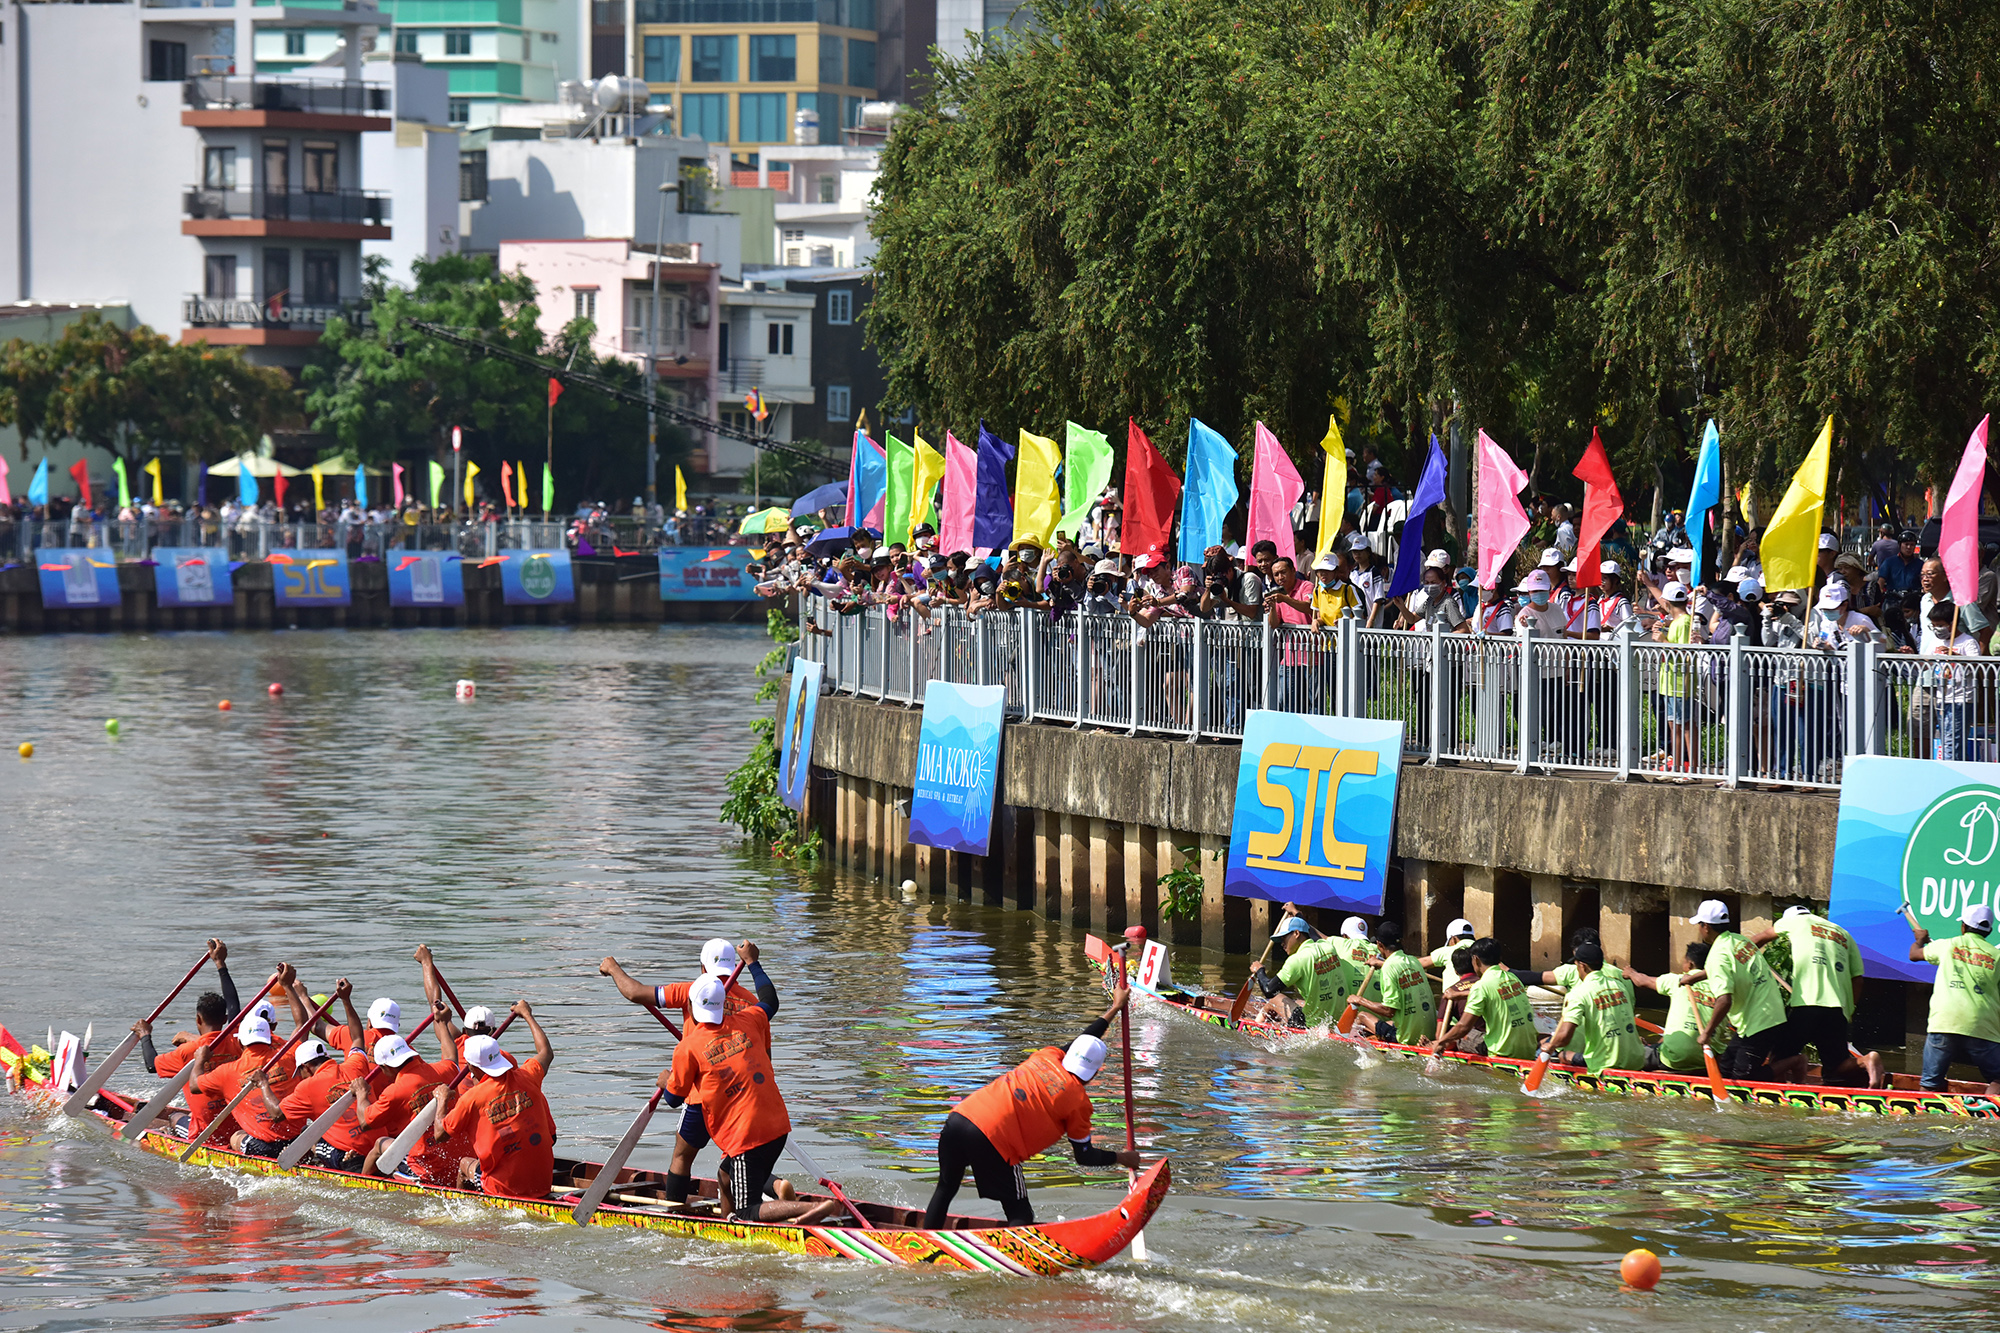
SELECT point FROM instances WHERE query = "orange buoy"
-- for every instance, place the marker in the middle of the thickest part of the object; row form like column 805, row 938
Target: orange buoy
column 224, row 705
column 1640, row 1269
column 275, row 688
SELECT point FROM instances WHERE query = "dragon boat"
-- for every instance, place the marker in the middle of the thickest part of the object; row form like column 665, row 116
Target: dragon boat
column 1904, row 1099
column 896, row 1234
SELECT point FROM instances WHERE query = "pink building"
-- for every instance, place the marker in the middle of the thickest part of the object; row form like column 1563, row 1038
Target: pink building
column 610, row 283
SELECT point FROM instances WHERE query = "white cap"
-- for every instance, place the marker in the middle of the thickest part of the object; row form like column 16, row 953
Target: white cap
column 1150, row 560
column 1354, row 928
column 1711, row 913
column 394, row 1052
column 253, row 1030
column 1437, row 560
column 1675, row 591
column 1978, row 916
column 1750, row 590
column 1356, row 542
column 265, row 1010
column 309, row 1050
column 718, row 958
column 1796, row 909
column 1551, row 558
column 1681, row 555
column 1326, row 564
column 1736, row 574
column 386, row 1014
column 1828, row 542
column 1612, row 568
column 1537, row 581
column 1459, row 929
column 1832, row 595
column 1085, row 1057
column 707, row 999
column 477, row 1015
column 483, row 1054
column 1105, row 567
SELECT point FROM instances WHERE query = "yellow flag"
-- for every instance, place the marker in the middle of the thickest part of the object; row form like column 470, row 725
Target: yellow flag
column 1791, row 542
column 680, row 489
column 1332, row 486
column 471, row 471
column 152, row 470
column 930, row 471
column 319, row 487
column 521, row 485
column 1037, row 503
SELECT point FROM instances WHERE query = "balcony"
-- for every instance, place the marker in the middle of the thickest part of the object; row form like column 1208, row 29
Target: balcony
column 683, row 353
column 227, row 320
column 330, row 215
column 220, row 102
column 781, row 181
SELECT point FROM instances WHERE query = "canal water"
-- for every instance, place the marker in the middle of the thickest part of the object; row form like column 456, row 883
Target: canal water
column 569, row 811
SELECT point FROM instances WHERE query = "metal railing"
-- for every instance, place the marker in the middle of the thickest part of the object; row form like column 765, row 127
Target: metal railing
column 327, row 98
column 1621, row 707
column 356, row 207
column 251, row 538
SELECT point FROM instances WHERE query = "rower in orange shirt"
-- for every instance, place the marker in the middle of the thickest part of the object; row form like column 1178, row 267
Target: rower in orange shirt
column 412, row 1082
column 1016, row 1116
column 212, row 1013
column 513, row 1133
column 262, row 1127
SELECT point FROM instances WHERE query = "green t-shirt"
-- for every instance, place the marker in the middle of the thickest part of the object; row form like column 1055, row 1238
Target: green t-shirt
column 1825, row 962
column 1688, row 1006
column 1322, row 979
column 1501, row 1002
column 1964, row 999
column 1567, row 976
column 1361, row 953
column 1441, row 957
column 1601, row 1007
column 1740, row 972
column 1406, row 988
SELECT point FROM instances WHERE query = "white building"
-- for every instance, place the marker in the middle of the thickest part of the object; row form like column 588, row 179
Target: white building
column 764, row 350
column 822, row 214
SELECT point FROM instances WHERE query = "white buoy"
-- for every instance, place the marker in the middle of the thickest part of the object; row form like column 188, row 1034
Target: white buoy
column 465, row 689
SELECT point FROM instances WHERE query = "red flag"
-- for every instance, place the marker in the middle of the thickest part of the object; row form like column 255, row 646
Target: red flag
column 81, row 471
column 1152, row 493
column 555, row 390
column 278, row 486
column 1601, row 507
column 507, row 474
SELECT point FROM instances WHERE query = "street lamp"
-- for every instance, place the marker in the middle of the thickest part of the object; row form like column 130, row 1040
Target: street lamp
column 653, row 360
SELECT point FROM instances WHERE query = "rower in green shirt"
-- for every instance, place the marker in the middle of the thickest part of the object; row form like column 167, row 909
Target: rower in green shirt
column 1965, row 1000
column 1407, row 1012
column 1566, row 975
column 1315, row 981
column 1457, row 936
column 1690, row 995
column 1598, row 1010
column 1747, row 993
column 1361, row 952
column 1498, row 1005
column 1826, row 970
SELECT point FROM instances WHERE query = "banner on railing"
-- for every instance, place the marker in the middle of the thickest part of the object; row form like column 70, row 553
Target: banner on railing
column 425, row 578
column 310, row 576
column 1918, row 833
column 77, row 576
column 1315, row 801
column 795, row 747
column 192, row 576
column 536, row 578
column 958, row 767
column 702, row 574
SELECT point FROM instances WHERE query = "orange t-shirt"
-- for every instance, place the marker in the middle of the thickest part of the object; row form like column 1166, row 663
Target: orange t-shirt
column 340, row 1039
column 1030, row 1107
column 403, row 1094
column 729, row 1063
column 734, row 1001
column 251, row 1115
column 513, row 1134
column 202, row 1106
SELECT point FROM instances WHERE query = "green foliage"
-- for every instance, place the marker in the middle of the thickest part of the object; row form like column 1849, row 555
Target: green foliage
column 770, row 669
column 755, row 806
column 1181, row 887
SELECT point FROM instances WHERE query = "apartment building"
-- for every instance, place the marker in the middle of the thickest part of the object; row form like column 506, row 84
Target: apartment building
column 846, row 373
column 764, row 353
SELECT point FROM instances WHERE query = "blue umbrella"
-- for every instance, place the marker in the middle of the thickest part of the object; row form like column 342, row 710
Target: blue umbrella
column 833, row 539
column 825, row 497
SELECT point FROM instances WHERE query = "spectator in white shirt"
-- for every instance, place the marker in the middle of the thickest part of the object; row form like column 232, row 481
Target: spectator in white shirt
column 1368, row 578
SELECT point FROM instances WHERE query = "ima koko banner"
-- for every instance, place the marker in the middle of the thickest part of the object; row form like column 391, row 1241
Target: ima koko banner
column 536, row 578
column 795, row 747
column 310, row 577
column 1918, row 833
column 425, row 578
column 192, row 576
column 705, row 574
column 1315, row 798
column 958, row 767
column 76, row 576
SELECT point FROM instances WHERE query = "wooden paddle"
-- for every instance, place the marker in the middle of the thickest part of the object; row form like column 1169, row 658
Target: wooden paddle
column 1125, row 1050
column 151, row 1111
column 249, row 1085
column 1242, row 1000
column 1346, row 1024
column 310, row 1136
column 399, row 1147
column 80, row 1099
column 1715, row 1088
column 1537, row 1071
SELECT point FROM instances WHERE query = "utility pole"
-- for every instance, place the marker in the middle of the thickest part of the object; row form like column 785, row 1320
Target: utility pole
column 653, row 358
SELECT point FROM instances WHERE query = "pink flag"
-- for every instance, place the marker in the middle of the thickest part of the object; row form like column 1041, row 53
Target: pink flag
column 961, row 493
column 6, row 496
column 1275, row 486
column 1502, row 521
column 396, row 480
column 1958, row 532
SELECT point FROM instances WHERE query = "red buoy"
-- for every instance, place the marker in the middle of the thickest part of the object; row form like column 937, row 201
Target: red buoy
column 1640, row 1269
column 275, row 688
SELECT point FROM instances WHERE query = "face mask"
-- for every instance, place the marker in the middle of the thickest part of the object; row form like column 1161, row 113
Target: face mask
column 1540, row 600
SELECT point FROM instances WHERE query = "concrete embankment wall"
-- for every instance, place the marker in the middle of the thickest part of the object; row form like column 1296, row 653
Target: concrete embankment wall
column 1088, row 822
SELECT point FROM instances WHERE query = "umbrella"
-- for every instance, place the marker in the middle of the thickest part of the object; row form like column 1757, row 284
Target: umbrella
column 767, row 520
column 825, row 497
column 835, row 538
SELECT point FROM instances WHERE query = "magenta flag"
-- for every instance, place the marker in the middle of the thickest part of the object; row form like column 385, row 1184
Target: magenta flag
column 1502, row 521
column 6, row 496
column 1275, row 486
column 396, row 480
column 961, row 494
column 1958, row 531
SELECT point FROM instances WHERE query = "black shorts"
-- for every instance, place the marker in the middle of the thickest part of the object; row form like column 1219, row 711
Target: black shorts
column 963, row 1146
column 1750, row 1057
column 1825, row 1029
column 332, row 1158
column 256, row 1147
column 748, row 1173
column 694, row 1128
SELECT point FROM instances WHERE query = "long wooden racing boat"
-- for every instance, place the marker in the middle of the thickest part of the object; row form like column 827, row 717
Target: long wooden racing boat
column 1905, row 1098
column 974, row 1244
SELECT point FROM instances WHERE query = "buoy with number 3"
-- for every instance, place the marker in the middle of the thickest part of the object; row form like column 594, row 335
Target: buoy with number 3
column 465, row 689
column 1640, row 1269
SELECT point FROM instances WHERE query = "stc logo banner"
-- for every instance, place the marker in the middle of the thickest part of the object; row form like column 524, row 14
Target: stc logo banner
column 1315, row 799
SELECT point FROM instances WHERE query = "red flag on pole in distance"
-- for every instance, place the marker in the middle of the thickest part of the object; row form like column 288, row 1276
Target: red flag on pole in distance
column 278, row 488
column 555, row 390
column 81, row 471
column 507, row 480
column 1152, row 494
column 1601, row 507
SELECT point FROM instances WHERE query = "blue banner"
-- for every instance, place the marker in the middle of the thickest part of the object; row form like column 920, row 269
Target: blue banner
column 425, row 578
column 309, row 576
column 192, row 576
column 1315, row 801
column 536, row 578
column 75, row 576
column 958, row 767
column 1918, row 833
column 705, row 574
column 795, row 746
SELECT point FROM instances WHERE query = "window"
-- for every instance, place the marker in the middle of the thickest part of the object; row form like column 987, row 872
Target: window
column 693, row 195
column 722, row 346
column 780, row 339
column 218, row 168
column 705, row 116
column 219, row 276
column 472, row 176
column 663, row 59
column 774, row 59
column 319, row 161
column 406, row 43
column 860, row 64
column 860, row 14
column 295, row 43
column 527, row 46
column 167, row 62
column 829, row 188
column 760, row 118
column 807, row 102
column 793, row 257
column 277, row 166
column 458, row 41
column 792, row 236
column 714, row 59
column 586, row 303
column 829, row 60
column 840, row 306
column 839, row 402
column 322, row 277
column 850, row 112
column 822, row 256
column 277, row 276
column 458, row 110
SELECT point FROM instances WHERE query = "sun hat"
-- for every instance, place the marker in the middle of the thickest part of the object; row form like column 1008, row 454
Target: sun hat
column 707, row 999
column 1459, row 929
column 253, row 1030
column 1085, row 1057
column 1291, row 925
column 394, row 1052
column 1105, row 567
column 1354, row 928
column 1713, row 912
column 386, row 1014
column 718, row 957
column 478, row 1016
column 483, row 1054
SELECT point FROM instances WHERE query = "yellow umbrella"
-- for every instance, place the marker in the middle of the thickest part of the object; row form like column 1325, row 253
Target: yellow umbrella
column 767, row 520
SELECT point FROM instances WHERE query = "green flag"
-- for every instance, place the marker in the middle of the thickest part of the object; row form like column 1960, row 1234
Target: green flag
column 437, row 481
column 548, row 490
column 124, row 491
column 902, row 486
column 1086, row 468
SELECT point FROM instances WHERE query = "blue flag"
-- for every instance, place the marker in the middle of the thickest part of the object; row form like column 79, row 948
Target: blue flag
column 867, row 481
column 246, row 485
column 1208, row 491
column 1430, row 494
column 361, row 486
column 38, row 489
column 1707, row 490
column 992, row 510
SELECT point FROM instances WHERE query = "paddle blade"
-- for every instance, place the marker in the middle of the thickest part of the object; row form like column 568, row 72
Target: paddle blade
column 811, row 1168
column 79, row 1101
column 1536, row 1074
column 399, row 1147
column 1715, row 1087
column 152, row 1110
column 1347, row 1017
column 1241, row 1003
column 1095, row 949
column 607, row 1175
column 314, row 1132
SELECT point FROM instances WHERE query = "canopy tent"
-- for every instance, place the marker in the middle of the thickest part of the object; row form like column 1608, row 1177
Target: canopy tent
column 259, row 467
